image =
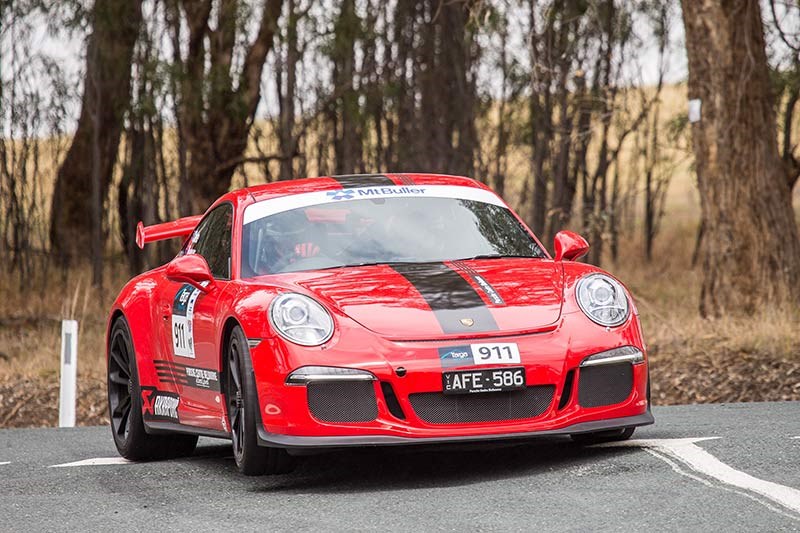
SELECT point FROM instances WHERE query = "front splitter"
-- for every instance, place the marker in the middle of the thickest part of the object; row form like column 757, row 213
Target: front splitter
column 294, row 442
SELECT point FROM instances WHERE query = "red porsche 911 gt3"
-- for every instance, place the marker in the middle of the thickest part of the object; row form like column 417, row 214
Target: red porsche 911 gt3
column 368, row 310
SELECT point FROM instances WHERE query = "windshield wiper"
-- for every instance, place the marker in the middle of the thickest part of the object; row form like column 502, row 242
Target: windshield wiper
column 367, row 263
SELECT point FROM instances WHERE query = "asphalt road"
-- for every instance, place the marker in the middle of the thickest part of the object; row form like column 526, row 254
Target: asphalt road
column 746, row 479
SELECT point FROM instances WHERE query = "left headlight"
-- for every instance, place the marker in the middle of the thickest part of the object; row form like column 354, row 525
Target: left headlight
column 603, row 300
column 300, row 319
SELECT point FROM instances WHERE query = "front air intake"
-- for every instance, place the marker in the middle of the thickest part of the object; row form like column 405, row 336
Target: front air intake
column 392, row 403
column 566, row 392
column 342, row 401
column 439, row 408
column 604, row 384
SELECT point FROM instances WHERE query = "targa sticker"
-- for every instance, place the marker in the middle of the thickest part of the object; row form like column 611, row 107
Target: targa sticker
column 456, row 356
column 182, row 315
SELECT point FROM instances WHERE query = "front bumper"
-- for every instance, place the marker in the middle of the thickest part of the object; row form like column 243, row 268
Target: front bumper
column 549, row 358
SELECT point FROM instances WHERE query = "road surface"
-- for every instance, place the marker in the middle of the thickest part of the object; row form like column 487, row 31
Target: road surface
column 745, row 476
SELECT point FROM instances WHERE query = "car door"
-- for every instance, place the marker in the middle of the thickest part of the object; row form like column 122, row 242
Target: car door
column 191, row 326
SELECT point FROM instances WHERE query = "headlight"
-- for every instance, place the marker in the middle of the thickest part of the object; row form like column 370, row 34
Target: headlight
column 300, row 319
column 602, row 299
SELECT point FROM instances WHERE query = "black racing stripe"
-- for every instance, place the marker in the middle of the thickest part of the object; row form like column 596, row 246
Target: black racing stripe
column 450, row 297
column 481, row 282
column 352, row 181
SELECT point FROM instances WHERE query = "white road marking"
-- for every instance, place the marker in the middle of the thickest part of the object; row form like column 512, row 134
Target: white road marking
column 97, row 461
column 5, row 463
column 693, row 456
column 677, row 468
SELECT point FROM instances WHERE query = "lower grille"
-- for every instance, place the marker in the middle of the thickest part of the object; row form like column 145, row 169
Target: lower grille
column 439, row 408
column 604, row 384
column 343, row 401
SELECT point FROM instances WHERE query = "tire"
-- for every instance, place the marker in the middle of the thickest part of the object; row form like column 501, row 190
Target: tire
column 125, row 406
column 597, row 437
column 242, row 401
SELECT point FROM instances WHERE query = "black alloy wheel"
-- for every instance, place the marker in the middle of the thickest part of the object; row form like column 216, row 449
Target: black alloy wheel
column 242, row 402
column 120, row 383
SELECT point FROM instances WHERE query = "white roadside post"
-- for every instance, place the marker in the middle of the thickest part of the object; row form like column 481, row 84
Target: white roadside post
column 69, row 373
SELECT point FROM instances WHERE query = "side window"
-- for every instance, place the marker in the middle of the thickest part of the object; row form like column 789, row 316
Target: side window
column 212, row 240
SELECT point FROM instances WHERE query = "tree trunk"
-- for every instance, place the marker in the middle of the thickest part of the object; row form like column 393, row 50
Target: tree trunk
column 750, row 251
column 346, row 113
column 217, row 102
column 115, row 27
column 286, row 78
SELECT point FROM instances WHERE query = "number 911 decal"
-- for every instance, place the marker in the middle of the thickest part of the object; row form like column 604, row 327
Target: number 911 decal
column 480, row 354
column 182, row 316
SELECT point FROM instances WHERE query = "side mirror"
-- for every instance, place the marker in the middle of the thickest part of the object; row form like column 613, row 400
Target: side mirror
column 569, row 246
column 191, row 269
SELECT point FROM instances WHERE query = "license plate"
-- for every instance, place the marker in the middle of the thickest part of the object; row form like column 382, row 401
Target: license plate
column 490, row 380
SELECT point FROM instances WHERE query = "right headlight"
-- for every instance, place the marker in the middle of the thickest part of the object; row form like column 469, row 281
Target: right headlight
column 602, row 299
column 300, row 319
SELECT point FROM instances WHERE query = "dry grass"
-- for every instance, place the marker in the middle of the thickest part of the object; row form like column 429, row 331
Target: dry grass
column 30, row 323
column 693, row 360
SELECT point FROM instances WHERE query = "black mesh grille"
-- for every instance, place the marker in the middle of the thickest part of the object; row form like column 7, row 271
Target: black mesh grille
column 343, row 401
column 438, row 408
column 604, row 384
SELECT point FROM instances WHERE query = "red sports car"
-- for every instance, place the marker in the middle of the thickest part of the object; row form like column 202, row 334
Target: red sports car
column 368, row 310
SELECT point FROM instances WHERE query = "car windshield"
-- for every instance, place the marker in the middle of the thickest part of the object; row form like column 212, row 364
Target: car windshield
column 348, row 230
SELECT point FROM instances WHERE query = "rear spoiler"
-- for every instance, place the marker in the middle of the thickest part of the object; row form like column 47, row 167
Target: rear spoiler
column 168, row 230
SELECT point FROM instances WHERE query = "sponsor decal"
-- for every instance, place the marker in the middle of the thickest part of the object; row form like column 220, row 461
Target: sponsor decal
column 456, row 356
column 187, row 376
column 450, row 297
column 182, row 321
column 346, row 194
column 159, row 405
column 374, row 192
column 357, row 188
column 202, row 378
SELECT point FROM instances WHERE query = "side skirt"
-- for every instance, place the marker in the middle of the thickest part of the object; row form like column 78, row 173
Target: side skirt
column 164, row 428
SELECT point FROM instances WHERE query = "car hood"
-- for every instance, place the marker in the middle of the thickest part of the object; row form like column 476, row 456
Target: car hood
column 444, row 300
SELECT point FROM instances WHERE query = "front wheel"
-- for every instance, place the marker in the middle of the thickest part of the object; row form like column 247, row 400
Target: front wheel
column 598, row 437
column 242, row 401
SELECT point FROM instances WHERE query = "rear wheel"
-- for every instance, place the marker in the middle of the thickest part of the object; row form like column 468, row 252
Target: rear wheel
column 597, row 437
column 242, row 400
column 125, row 405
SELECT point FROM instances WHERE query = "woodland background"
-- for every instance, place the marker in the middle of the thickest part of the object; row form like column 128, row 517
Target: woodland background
column 568, row 109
